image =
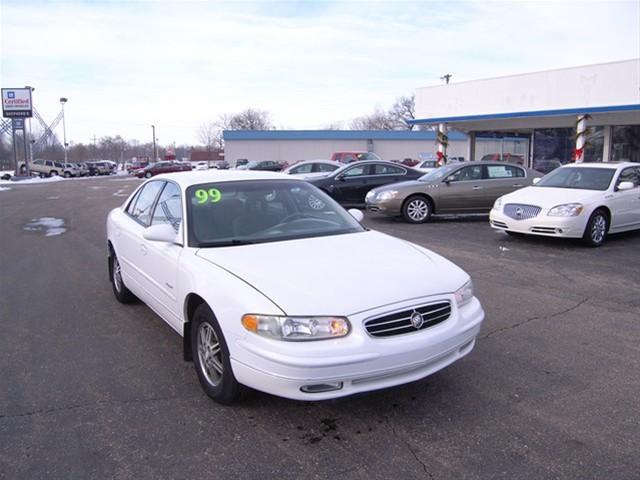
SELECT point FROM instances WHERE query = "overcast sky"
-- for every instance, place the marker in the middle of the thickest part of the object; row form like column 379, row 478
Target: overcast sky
column 125, row 65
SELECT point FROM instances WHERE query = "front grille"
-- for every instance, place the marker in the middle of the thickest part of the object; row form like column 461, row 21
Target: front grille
column 518, row 211
column 400, row 322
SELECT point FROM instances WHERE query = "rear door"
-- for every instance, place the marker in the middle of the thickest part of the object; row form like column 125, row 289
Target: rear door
column 502, row 179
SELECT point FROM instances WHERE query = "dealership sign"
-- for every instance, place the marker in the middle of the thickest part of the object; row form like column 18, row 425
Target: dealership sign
column 16, row 102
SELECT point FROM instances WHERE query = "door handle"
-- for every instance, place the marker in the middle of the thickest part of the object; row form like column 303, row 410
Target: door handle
column 476, row 187
column 143, row 249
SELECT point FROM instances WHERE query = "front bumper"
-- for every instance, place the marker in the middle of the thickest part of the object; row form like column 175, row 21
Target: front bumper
column 388, row 207
column 358, row 362
column 542, row 224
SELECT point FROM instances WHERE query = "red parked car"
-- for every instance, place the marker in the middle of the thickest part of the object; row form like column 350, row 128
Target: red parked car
column 348, row 157
column 162, row 167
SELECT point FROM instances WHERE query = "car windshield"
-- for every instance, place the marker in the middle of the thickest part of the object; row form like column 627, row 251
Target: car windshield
column 578, row 178
column 258, row 211
column 438, row 173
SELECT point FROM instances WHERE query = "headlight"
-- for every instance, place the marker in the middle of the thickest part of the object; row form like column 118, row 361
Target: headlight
column 464, row 294
column 566, row 210
column 296, row 328
column 386, row 195
column 497, row 205
column 370, row 195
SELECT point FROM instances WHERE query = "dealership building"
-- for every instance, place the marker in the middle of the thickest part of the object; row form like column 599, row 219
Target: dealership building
column 589, row 113
column 542, row 120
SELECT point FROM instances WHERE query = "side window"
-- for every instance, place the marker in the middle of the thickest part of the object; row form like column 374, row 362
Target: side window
column 169, row 207
column 141, row 208
column 468, row 173
column 629, row 175
column 302, row 168
column 38, row 162
column 358, row 171
column 381, row 169
column 503, row 171
column 49, row 163
column 347, row 158
column 323, row 167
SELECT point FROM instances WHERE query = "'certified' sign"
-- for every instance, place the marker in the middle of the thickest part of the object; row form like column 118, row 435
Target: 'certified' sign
column 16, row 102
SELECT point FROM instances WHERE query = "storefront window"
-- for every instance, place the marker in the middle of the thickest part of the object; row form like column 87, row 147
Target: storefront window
column 625, row 143
column 553, row 147
column 594, row 145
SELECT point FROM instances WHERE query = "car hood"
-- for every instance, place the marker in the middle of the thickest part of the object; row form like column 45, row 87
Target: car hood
column 340, row 274
column 549, row 197
column 400, row 186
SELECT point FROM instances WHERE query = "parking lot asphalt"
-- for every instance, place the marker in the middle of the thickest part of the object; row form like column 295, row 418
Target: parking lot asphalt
column 90, row 388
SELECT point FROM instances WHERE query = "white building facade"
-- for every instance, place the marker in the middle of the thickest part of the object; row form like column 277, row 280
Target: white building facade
column 589, row 113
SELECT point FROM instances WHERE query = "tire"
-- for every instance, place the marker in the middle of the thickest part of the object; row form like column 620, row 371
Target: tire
column 211, row 358
column 67, row 175
column 120, row 290
column 416, row 209
column 597, row 228
column 53, row 173
column 23, row 169
column 148, row 175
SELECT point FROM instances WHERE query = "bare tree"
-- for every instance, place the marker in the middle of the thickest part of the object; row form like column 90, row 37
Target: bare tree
column 402, row 110
column 209, row 135
column 378, row 120
column 248, row 119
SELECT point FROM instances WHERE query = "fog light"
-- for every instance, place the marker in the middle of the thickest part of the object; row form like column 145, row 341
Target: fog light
column 322, row 387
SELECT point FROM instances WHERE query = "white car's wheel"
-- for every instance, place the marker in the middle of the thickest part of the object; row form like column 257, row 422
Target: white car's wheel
column 597, row 228
column 121, row 292
column 211, row 358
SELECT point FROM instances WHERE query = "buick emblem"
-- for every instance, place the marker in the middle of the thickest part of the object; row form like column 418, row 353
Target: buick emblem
column 416, row 319
column 519, row 212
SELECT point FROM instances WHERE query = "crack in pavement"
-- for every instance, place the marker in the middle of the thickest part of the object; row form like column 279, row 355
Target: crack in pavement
column 413, row 452
column 47, row 411
column 547, row 317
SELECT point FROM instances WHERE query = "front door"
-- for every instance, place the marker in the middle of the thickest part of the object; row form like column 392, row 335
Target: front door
column 463, row 191
column 625, row 204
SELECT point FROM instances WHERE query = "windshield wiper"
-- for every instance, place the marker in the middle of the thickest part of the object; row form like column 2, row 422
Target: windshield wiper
column 226, row 243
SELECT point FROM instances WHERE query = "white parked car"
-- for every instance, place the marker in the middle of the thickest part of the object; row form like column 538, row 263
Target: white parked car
column 201, row 166
column 427, row 166
column 312, row 168
column 585, row 200
column 274, row 293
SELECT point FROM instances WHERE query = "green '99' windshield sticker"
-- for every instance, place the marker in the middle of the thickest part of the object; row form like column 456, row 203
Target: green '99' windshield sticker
column 211, row 195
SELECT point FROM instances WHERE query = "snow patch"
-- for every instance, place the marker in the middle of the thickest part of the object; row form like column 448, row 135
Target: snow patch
column 121, row 193
column 4, row 189
column 34, row 180
column 49, row 225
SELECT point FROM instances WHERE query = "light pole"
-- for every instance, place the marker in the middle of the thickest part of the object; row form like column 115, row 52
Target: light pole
column 63, row 100
column 155, row 150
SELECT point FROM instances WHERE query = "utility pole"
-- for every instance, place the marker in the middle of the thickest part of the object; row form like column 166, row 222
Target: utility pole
column 63, row 100
column 155, row 150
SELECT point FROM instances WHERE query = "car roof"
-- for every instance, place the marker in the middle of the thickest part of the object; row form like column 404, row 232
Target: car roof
column 602, row 165
column 195, row 177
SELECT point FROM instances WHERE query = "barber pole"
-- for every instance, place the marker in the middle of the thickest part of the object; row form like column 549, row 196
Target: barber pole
column 581, row 133
column 442, row 140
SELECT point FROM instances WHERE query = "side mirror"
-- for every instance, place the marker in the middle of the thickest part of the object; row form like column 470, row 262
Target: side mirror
column 357, row 214
column 626, row 185
column 340, row 178
column 536, row 180
column 449, row 179
column 160, row 233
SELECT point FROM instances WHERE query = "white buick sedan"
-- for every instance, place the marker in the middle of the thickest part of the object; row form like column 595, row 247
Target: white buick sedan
column 274, row 286
column 586, row 200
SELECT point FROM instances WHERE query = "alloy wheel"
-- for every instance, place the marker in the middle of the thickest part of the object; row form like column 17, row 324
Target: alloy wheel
column 598, row 228
column 418, row 210
column 210, row 354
